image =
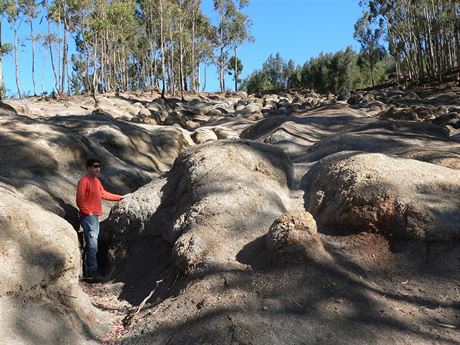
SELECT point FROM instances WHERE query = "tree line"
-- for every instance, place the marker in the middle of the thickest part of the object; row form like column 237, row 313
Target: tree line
column 337, row 73
column 128, row 45
column 414, row 41
column 423, row 36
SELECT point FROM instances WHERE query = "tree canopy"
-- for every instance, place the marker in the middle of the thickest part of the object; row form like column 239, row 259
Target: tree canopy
column 129, row 45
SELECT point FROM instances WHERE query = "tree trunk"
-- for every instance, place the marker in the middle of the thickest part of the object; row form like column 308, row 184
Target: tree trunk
column 181, row 63
column 193, row 67
column 32, row 40
column 221, row 56
column 2, row 87
column 95, row 78
column 125, row 69
column 429, row 43
column 396, row 53
column 143, row 73
column 457, row 35
column 53, row 66
column 221, row 70
column 64, row 55
column 114, row 71
column 150, row 62
column 170, row 74
column 102, row 62
column 204, row 78
column 236, row 71
column 171, row 64
column 155, row 70
column 59, row 69
column 43, row 74
column 87, row 80
column 198, row 84
column 16, row 61
column 372, row 75
column 162, row 43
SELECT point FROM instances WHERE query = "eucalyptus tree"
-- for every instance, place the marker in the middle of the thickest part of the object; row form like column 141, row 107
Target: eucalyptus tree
column 162, row 47
column 206, row 42
column 149, row 15
column 80, row 18
column 369, row 38
column 14, row 17
column 171, row 11
column 29, row 9
column 77, row 81
column 192, row 35
column 48, row 41
column 195, row 12
column 423, row 35
column 58, row 12
column 232, row 31
column 106, row 39
column 183, row 36
column 119, row 35
column 4, row 47
column 239, row 30
column 90, row 22
column 63, row 14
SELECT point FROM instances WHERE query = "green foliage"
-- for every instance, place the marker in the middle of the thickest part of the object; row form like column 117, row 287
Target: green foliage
column 6, row 48
column 258, row 81
column 369, row 38
column 338, row 73
column 232, row 64
column 12, row 10
column 77, row 82
column 29, row 8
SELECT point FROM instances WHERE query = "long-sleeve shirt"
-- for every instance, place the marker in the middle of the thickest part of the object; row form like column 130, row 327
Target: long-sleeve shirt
column 90, row 194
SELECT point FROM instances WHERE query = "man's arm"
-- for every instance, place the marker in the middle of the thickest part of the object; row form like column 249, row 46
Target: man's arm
column 109, row 196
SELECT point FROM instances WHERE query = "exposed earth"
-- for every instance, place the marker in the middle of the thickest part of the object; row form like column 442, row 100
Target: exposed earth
column 288, row 218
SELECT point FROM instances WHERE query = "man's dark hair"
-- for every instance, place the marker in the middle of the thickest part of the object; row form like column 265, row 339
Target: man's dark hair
column 92, row 161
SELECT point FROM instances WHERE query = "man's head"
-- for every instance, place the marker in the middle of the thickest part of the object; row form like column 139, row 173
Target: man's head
column 93, row 166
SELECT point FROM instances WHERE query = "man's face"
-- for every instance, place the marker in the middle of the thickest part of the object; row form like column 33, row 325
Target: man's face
column 94, row 169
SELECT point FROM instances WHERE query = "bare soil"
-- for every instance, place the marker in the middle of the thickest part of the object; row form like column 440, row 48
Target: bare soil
column 372, row 292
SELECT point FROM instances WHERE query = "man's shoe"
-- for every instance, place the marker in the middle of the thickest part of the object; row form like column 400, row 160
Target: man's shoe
column 96, row 278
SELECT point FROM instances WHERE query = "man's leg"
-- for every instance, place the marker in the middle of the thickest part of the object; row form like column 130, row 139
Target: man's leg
column 90, row 226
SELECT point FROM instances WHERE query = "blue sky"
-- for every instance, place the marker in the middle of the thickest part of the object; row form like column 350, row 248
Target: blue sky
column 297, row 29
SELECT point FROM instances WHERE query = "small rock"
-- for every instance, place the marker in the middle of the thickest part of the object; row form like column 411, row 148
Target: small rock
column 295, row 232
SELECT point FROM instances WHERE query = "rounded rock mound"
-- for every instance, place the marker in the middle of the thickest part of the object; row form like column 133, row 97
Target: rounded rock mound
column 401, row 198
column 223, row 195
column 217, row 198
column 295, row 232
column 39, row 268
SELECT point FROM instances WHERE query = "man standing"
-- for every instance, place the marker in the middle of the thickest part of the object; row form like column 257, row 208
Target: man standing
column 89, row 201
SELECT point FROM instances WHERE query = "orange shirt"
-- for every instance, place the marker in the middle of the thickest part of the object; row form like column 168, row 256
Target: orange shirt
column 90, row 194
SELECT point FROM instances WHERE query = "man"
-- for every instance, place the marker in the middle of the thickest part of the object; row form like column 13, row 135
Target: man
column 89, row 201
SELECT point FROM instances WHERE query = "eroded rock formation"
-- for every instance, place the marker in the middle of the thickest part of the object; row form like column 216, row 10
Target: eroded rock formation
column 221, row 185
